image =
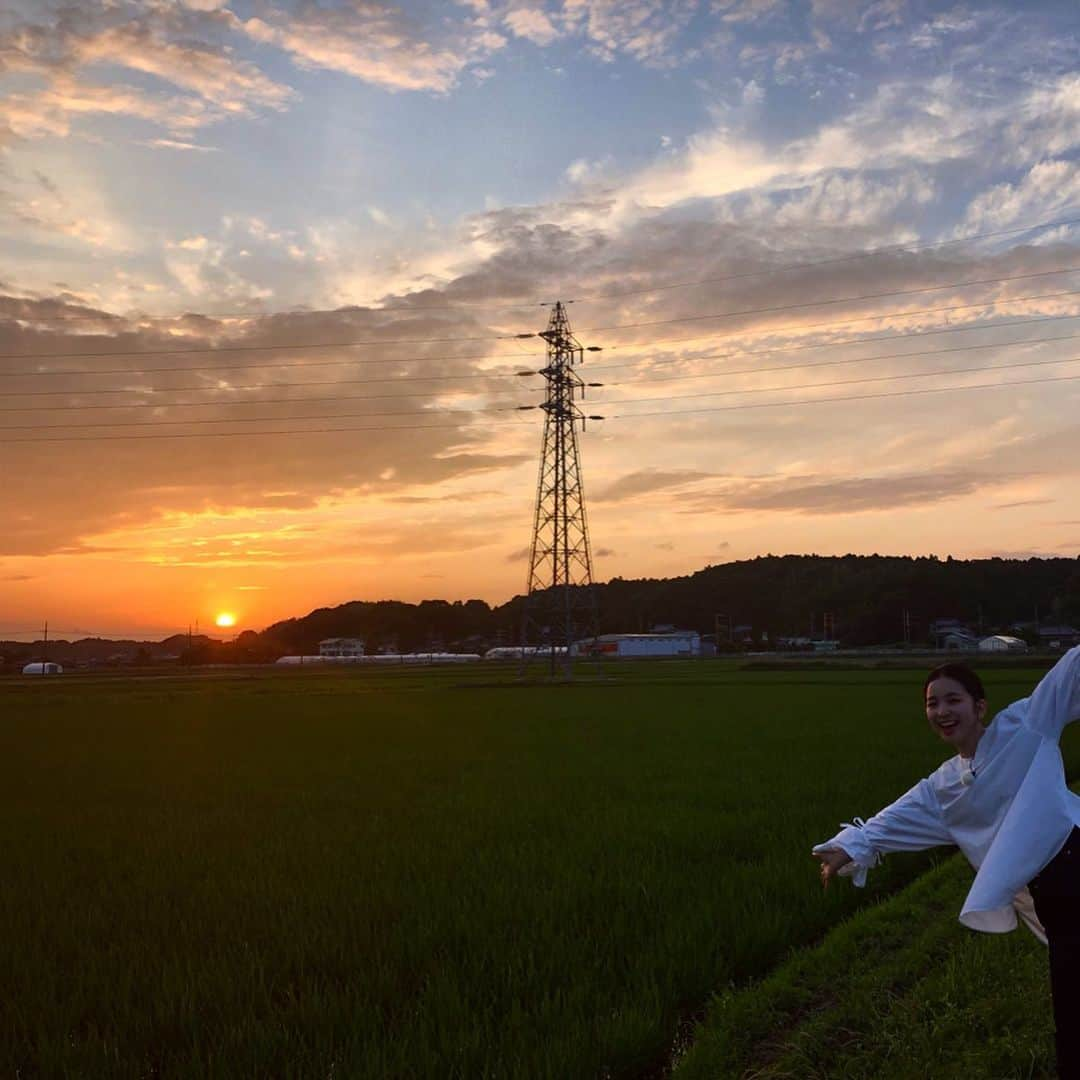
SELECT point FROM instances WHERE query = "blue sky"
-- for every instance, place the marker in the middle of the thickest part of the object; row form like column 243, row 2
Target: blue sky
column 472, row 158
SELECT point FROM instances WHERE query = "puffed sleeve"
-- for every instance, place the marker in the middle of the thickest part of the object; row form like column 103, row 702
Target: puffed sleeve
column 912, row 823
column 1055, row 702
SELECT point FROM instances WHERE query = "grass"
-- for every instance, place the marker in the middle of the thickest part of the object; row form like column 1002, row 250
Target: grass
column 899, row 991
column 406, row 873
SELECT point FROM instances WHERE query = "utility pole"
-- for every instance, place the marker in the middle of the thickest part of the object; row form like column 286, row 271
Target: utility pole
column 45, row 654
column 560, row 604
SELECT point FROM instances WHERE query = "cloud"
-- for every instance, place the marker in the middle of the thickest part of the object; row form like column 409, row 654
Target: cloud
column 234, row 86
column 375, row 43
column 1022, row 502
column 837, row 495
column 176, row 144
column 748, row 11
column 1046, row 190
column 531, row 23
column 647, row 481
column 69, row 508
column 645, row 30
column 66, row 51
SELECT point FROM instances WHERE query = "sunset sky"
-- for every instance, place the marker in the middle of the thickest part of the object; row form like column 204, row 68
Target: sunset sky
column 340, row 214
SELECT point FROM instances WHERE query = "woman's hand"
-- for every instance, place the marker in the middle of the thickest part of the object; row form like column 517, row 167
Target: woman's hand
column 831, row 861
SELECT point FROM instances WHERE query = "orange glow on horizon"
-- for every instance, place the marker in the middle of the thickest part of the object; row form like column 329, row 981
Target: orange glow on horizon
column 225, row 619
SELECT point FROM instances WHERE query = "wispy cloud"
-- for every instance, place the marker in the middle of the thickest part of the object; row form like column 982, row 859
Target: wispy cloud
column 647, row 481
column 377, row 43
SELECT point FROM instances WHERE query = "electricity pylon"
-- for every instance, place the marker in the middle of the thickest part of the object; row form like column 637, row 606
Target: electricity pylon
column 560, row 606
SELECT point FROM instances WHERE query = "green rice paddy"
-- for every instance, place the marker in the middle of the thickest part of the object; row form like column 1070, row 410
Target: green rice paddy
column 413, row 874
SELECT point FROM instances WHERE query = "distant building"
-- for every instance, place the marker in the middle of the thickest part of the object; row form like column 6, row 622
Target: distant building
column 958, row 641
column 796, row 642
column 953, row 634
column 1002, row 643
column 675, row 643
column 1059, row 637
column 521, row 652
column 40, row 667
column 341, row 646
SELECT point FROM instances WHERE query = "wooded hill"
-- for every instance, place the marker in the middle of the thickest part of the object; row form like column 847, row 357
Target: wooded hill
column 788, row 595
column 759, row 600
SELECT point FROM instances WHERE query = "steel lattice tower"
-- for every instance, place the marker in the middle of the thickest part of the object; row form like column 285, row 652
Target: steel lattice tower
column 560, row 606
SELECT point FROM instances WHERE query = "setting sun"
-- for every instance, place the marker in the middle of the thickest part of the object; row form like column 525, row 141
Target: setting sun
column 226, row 619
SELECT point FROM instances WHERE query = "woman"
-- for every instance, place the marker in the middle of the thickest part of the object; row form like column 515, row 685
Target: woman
column 1003, row 801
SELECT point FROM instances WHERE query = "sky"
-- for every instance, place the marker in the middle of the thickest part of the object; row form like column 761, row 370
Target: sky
column 338, row 217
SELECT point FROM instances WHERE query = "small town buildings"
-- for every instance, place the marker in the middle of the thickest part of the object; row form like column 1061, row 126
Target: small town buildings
column 341, row 646
column 959, row 641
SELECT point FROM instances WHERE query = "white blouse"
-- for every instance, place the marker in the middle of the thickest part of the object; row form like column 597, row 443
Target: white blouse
column 1007, row 808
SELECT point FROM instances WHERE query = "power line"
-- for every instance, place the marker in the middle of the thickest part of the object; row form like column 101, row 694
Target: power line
column 239, row 386
column 830, row 261
column 253, row 419
column 415, row 308
column 270, row 348
column 855, row 397
column 239, row 434
column 525, row 335
column 233, row 404
column 876, row 317
column 519, row 423
column 848, row 360
column 782, row 349
column 646, row 380
column 835, row 300
column 491, row 375
column 512, row 408
column 836, row 382
column 256, row 367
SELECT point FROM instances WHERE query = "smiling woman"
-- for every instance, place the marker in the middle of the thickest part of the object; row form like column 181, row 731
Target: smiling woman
column 1003, row 801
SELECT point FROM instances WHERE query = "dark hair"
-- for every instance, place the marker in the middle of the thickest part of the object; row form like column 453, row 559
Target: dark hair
column 962, row 674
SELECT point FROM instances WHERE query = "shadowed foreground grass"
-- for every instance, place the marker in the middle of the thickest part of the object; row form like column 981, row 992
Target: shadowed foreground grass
column 900, row 990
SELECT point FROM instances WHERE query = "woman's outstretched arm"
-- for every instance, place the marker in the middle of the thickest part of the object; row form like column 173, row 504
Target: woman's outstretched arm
column 912, row 823
column 1055, row 702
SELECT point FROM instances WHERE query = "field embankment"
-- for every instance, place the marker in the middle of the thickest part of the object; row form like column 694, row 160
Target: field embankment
column 401, row 874
column 900, row 990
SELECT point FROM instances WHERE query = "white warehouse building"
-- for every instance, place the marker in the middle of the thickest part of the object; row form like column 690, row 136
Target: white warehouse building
column 1002, row 643
column 675, row 643
column 43, row 667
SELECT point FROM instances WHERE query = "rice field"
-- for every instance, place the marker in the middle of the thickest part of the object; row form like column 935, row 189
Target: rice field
column 405, row 874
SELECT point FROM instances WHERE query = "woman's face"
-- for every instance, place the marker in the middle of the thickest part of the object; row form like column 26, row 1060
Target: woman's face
column 954, row 714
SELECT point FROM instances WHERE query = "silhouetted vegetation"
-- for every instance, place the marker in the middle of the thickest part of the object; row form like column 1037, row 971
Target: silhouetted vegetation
column 759, row 601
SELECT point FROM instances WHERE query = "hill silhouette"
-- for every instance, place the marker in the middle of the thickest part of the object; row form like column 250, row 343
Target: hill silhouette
column 758, row 601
